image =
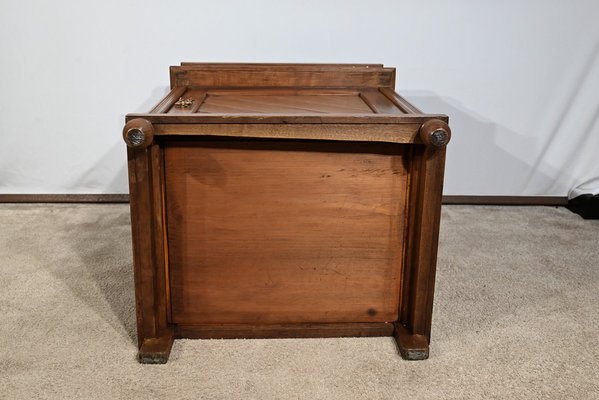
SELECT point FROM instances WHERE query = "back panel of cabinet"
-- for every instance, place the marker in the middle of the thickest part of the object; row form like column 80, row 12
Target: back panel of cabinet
column 271, row 232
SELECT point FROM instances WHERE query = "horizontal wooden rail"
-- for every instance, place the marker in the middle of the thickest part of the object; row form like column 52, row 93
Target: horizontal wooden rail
column 361, row 119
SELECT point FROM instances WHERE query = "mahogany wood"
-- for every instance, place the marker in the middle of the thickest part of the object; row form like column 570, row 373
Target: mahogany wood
column 426, row 190
column 379, row 103
column 435, row 133
column 149, row 261
column 167, row 103
column 270, row 105
column 138, row 133
column 361, row 119
column 156, row 350
column 295, row 231
column 390, row 133
column 266, row 331
column 197, row 96
column 286, row 75
column 315, row 103
column 284, row 200
column 412, row 347
column 400, row 102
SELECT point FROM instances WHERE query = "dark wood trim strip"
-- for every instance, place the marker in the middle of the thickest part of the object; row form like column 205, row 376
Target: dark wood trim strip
column 507, row 200
column 235, row 331
column 124, row 198
column 65, row 198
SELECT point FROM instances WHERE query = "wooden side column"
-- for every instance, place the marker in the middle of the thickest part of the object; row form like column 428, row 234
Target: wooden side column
column 412, row 331
column 155, row 336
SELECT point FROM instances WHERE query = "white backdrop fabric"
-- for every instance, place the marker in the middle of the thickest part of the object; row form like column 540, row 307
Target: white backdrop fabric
column 519, row 79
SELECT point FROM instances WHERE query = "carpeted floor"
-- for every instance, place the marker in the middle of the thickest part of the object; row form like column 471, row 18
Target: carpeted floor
column 516, row 317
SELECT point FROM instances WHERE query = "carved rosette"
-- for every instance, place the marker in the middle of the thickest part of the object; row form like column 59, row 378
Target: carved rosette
column 138, row 133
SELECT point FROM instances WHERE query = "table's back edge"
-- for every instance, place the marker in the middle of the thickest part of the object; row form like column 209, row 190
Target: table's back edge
column 281, row 75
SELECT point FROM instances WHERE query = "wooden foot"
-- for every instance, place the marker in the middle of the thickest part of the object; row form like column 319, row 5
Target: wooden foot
column 411, row 347
column 156, row 350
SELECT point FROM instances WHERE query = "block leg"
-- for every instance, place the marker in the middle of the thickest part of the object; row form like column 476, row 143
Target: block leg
column 156, row 350
column 411, row 347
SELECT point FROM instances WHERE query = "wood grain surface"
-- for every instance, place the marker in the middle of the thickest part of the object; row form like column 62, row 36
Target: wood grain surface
column 285, row 232
column 264, row 331
column 391, row 133
column 285, row 200
column 312, row 103
column 328, row 105
column 281, row 75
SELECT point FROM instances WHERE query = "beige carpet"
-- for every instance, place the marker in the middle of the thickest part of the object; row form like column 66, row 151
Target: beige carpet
column 516, row 317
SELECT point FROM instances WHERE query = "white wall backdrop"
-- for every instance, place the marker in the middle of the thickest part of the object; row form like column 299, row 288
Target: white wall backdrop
column 519, row 79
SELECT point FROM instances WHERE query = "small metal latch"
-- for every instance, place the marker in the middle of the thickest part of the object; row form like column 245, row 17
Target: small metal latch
column 183, row 103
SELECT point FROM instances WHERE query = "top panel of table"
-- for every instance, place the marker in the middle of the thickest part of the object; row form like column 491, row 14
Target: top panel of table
column 283, row 93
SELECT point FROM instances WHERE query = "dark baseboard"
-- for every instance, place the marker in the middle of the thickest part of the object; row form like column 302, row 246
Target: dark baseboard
column 124, row 198
column 507, row 200
column 64, row 198
column 586, row 205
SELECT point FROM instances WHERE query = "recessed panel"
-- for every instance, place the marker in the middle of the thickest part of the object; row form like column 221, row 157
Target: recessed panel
column 285, row 232
column 284, row 104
